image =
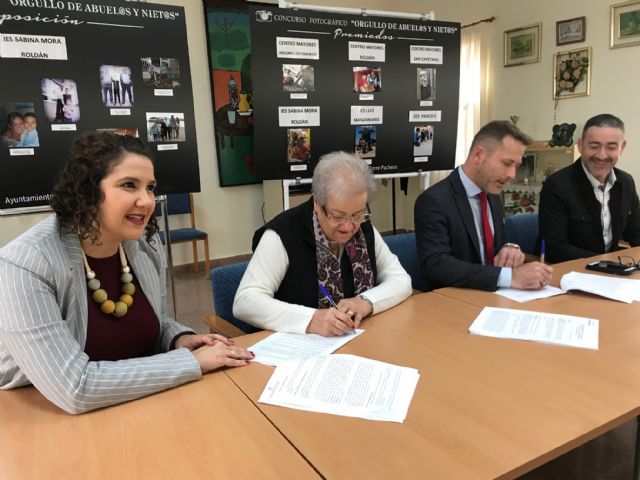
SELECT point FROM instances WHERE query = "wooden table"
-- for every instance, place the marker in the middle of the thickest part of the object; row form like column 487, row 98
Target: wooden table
column 619, row 332
column 483, row 408
column 206, row 429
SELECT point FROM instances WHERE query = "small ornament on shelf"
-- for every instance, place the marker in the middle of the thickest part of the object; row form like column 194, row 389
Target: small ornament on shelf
column 562, row 135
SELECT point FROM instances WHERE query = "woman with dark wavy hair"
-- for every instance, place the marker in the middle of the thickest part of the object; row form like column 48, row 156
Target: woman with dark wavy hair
column 82, row 307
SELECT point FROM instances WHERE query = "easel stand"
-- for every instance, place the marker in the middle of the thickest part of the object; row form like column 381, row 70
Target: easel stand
column 162, row 201
column 424, row 178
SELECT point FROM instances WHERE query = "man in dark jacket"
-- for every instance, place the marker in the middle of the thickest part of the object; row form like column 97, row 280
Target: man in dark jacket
column 587, row 207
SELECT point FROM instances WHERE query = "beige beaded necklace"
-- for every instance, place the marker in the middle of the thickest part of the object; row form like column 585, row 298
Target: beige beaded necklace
column 99, row 295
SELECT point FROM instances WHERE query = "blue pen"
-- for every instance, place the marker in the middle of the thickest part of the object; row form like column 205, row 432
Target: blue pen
column 328, row 297
column 542, row 250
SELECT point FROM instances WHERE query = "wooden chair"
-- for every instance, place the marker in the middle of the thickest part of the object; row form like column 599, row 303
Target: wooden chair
column 180, row 204
column 224, row 284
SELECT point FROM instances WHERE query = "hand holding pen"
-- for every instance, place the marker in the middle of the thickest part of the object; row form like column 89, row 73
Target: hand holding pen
column 331, row 322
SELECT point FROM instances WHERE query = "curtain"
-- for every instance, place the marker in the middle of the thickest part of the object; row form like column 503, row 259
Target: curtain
column 470, row 87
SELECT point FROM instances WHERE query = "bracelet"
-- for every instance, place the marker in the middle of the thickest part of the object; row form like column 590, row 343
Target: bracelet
column 512, row 245
column 368, row 301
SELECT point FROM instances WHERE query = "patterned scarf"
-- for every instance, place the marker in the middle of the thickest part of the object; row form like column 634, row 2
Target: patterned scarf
column 328, row 265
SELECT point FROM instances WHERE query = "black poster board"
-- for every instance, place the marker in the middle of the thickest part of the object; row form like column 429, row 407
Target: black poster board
column 311, row 70
column 80, row 66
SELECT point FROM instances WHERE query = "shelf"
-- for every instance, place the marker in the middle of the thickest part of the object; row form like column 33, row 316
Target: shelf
column 543, row 146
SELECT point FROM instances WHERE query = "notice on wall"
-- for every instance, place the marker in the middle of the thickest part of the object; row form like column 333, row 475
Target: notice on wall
column 299, row 116
column 68, row 67
column 41, row 47
column 425, row 116
column 366, row 51
column 368, row 115
column 425, row 54
column 372, row 71
column 303, row 48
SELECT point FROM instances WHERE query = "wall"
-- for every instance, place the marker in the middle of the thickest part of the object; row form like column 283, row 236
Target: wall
column 230, row 215
column 526, row 90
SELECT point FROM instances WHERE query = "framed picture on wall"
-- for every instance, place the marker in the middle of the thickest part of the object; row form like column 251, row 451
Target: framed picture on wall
column 522, row 45
column 229, row 42
column 625, row 24
column 573, row 30
column 572, row 73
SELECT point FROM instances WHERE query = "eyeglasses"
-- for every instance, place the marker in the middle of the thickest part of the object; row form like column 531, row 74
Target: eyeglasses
column 628, row 261
column 340, row 219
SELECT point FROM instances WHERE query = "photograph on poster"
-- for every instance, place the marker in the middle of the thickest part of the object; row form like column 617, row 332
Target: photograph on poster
column 165, row 127
column 160, row 72
column 365, row 141
column 297, row 78
column 367, row 79
column 18, row 125
column 426, row 83
column 116, row 86
column 422, row 140
column 120, row 131
column 60, row 99
column 298, row 144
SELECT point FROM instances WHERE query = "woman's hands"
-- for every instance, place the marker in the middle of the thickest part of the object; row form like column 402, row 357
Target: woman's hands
column 213, row 351
column 192, row 342
column 356, row 307
column 330, row 322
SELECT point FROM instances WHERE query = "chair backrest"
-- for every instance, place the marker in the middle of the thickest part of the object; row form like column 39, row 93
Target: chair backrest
column 224, row 283
column 523, row 230
column 403, row 245
column 177, row 204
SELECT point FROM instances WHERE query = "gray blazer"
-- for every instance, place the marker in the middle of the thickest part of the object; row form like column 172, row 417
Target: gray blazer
column 43, row 324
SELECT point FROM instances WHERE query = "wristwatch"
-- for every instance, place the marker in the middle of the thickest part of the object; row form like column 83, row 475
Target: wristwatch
column 512, row 245
column 368, row 301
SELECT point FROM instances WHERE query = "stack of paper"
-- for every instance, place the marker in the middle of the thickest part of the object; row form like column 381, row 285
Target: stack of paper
column 343, row 385
column 281, row 347
column 621, row 289
column 537, row 326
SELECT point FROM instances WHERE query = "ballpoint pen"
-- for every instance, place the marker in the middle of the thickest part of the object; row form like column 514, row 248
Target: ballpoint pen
column 542, row 250
column 328, row 297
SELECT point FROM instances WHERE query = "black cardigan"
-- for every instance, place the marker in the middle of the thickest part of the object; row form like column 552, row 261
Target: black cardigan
column 300, row 283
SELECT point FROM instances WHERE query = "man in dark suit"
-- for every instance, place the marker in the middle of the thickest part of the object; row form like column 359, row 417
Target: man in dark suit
column 459, row 221
column 587, row 207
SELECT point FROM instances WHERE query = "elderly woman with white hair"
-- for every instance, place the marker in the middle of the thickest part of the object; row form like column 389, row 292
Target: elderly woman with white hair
column 325, row 247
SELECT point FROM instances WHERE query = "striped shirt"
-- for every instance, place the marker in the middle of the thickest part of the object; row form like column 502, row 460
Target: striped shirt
column 43, row 324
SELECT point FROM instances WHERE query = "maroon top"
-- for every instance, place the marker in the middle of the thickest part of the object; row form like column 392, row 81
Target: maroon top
column 131, row 336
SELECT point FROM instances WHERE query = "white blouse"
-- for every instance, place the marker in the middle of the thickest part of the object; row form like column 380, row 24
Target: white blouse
column 255, row 303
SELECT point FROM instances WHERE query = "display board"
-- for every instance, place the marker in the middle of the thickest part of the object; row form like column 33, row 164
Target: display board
column 69, row 67
column 383, row 88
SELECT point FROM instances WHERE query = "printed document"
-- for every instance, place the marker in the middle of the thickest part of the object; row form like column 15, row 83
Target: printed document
column 343, row 385
column 281, row 347
column 621, row 289
column 537, row 326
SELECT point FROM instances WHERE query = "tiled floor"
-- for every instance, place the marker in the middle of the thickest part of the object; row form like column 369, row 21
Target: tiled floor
column 608, row 457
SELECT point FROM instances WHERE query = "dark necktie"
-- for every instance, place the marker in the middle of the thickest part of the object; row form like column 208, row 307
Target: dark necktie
column 486, row 230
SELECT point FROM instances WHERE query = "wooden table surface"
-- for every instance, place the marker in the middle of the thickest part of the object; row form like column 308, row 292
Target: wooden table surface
column 206, row 429
column 483, row 408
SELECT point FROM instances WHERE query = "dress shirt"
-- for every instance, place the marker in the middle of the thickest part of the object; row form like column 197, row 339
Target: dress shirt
column 473, row 192
column 255, row 302
column 602, row 193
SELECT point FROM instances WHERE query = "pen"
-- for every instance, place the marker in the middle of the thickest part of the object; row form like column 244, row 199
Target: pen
column 328, row 297
column 542, row 250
